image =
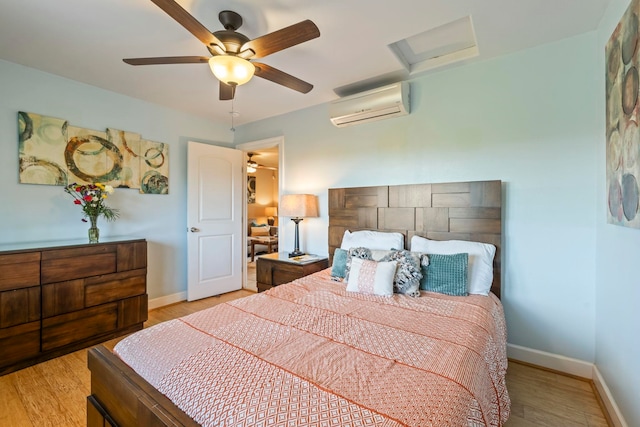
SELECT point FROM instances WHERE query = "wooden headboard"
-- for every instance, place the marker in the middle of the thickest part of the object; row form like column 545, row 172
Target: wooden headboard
column 451, row 211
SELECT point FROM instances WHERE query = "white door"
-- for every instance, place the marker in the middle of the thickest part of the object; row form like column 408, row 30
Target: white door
column 214, row 220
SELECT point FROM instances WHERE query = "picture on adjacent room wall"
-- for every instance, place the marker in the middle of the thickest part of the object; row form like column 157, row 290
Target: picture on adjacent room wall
column 623, row 116
column 51, row 152
column 154, row 167
column 41, row 144
column 251, row 189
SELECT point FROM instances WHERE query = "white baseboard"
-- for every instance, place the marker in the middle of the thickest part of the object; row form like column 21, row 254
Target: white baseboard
column 167, row 299
column 607, row 399
column 571, row 366
column 576, row 367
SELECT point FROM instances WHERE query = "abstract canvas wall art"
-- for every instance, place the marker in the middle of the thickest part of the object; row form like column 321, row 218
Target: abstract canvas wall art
column 51, row 152
column 128, row 144
column 41, row 144
column 154, row 167
column 622, row 118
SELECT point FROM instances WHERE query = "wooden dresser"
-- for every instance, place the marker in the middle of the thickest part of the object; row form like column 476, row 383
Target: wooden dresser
column 58, row 297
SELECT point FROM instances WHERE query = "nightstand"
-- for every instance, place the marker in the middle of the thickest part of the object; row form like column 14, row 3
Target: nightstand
column 277, row 268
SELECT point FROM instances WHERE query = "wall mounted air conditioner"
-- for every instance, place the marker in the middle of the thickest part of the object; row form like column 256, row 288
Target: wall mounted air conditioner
column 376, row 104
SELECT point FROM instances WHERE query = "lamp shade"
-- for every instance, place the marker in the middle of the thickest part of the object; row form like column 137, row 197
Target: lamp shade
column 231, row 70
column 299, row 205
column 271, row 211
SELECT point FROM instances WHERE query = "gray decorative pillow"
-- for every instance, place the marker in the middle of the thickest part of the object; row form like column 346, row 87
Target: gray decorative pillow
column 362, row 253
column 408, row 273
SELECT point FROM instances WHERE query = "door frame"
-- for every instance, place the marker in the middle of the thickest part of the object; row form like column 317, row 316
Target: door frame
column 246, row 147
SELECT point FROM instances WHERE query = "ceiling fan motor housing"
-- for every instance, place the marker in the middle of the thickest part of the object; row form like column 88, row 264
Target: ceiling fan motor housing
column 232, row 40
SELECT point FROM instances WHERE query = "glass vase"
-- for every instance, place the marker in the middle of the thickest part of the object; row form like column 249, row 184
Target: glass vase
column 94, row 231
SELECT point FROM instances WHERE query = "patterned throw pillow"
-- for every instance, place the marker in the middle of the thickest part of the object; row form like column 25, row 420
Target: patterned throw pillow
column 371, row 277
column 446, row 274
column 408, row 274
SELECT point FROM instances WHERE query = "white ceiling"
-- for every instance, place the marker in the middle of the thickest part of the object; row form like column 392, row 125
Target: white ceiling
column 85, row 40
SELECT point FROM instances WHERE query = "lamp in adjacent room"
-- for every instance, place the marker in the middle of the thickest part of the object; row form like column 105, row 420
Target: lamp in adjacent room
column 271, row 212
column 298, row 207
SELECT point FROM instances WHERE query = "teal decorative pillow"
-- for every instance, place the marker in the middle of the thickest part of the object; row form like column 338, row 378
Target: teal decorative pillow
column 446, row 274
column 339, row 266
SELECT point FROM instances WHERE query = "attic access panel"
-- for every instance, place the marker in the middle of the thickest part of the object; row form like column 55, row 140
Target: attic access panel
column 436, row 47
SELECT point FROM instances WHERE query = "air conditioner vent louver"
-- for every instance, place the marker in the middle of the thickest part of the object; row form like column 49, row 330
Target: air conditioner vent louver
column 376, row 104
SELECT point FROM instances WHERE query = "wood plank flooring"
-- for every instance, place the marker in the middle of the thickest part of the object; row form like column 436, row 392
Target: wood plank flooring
column 53, row 393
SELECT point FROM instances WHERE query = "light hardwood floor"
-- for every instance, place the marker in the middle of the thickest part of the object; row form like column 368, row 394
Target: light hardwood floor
column 53, row 393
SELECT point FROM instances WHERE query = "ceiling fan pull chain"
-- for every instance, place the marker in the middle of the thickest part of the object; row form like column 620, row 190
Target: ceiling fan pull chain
column 233, row 113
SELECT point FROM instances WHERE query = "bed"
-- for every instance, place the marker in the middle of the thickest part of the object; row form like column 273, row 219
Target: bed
column 312, row 353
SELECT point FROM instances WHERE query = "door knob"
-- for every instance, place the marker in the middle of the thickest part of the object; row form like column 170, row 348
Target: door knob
column 194, row 230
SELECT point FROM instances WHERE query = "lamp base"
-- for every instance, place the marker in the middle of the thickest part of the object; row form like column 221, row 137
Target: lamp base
column 296, row 253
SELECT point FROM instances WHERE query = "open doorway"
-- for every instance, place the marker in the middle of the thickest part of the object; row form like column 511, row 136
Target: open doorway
column 263, row 174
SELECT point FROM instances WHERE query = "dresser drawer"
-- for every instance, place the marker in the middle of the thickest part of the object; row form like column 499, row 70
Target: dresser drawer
column 19, row 306
column 69, row 264
column 19, row 270
column 113, row 287
column 74, row 327
column 19, row 342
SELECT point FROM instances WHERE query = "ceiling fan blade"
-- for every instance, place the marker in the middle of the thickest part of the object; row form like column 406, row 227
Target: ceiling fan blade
column 282, row 39
column 167, row 60
column 227, row 92
column 273, row 74
column 192, row 25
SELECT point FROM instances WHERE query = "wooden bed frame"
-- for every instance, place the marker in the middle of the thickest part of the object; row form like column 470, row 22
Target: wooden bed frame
column 462, row 211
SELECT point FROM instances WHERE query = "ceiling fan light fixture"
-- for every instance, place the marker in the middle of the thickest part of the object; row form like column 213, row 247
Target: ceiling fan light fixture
column 250, row 169
column 231, row 70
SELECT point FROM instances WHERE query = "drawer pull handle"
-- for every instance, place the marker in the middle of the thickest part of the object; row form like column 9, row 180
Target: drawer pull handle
column 194, row 230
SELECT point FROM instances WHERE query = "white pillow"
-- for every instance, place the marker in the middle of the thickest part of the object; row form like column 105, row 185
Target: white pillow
column 372, row 240
column 371, row 277
column 480, row 269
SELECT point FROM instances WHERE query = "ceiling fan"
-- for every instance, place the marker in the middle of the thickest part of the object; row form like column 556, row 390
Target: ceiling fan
column 252, row 166
column 233, row 52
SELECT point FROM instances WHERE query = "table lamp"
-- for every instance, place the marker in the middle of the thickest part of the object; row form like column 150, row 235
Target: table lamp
column 271, row 212
column 298, row 207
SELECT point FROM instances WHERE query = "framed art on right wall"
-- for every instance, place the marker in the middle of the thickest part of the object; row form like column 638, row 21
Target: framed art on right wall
column 622, row 117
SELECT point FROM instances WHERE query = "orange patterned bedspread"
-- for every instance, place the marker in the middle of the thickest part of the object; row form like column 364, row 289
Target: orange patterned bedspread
column 311, row 354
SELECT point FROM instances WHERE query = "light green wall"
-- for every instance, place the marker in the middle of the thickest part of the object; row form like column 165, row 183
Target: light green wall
column 529, row 119
column 617, row 279
column 42, row 212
